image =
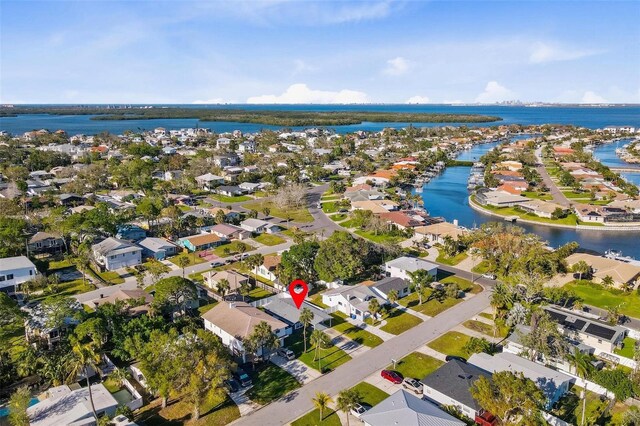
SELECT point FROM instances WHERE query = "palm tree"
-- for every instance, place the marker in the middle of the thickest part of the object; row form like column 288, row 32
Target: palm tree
column 582, row 364
column 222, row 287
column 321, row 401
column 347, row 399
column 374, row 308
column 392, row 296
column 85, row 356
column 183, row 262
column 607, row 281
column 306, row 316
column 581, row 268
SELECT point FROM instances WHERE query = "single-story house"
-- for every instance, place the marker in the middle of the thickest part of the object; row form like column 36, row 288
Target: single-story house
column 130, row 232
column 235, row 280
column 401, row 267
column 500, row 199
column 552, row 383
column 622, row 273
column 542, row 208
column 201, row 242
column 402, row 219
column 268, row 268
column 589, row 213
column 385, row 285
column 249, row 187
column 64, row 406
column 596, row 334
column 403, row 408
column 450, row 385
column 229, row 190
column 233, row 322
column 229, row 215
column 158, row 248
column 437, row 232
column 44, row 242
column 113, row 253
column 14, row 271
column 352, row 300
column 259, row 226
column 71, row 200
column 229, row 232
column 138, row 301
column 375, row 206
column 281, row 306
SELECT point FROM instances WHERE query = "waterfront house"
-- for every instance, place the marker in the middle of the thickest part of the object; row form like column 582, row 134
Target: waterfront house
column 158, row 248
column 15, row 271
column 403, row 408
column 201, row 242
column 375, row 206
column 234, row 321
column 623, row 274
column 450, row 385
column 437, row 232
column 402, row 266
column 499, row 198
column 552, row 383
column 112, row 253
column 589, row 213
column 402, row 219
column 542, row 208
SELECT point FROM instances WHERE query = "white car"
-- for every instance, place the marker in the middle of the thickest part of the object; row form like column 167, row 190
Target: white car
column 489, row 276
column 360, row 409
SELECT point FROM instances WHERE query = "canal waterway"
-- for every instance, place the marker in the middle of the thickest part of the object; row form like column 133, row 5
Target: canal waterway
column 446, row 195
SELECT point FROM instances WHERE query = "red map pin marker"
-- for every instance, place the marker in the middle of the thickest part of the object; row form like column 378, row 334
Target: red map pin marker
column 298, row 290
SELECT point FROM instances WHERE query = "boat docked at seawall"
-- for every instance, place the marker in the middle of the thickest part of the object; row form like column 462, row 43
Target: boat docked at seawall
column 617, row 255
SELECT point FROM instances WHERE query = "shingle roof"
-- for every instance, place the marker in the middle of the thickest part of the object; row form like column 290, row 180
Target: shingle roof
column 404, row 409
column 387, row 284
column 411, row 264
column 239, row 318
column 17, row 262
column 454, row 379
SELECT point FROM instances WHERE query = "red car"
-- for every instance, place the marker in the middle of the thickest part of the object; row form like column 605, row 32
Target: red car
column 391, row 376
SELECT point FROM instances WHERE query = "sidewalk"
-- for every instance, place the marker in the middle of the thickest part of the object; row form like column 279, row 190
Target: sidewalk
column 412, row 312
column 245, row 405
column 372, row 329
column 464, row 330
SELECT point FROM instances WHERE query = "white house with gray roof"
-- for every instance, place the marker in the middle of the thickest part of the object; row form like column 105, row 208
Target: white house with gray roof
column 352, row 300
column 158, row 248
column 14, row 271
column 401, row 267
column 112, row 254
column 404, row 409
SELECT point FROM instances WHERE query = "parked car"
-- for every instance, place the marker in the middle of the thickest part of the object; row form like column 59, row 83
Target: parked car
column 360, row 409
column 242, row 377
column 391, row 376
column 489, row 276
column 217, row 263
column 286, row 353
column 232, row 385
column 413, row 384
column 452, row 357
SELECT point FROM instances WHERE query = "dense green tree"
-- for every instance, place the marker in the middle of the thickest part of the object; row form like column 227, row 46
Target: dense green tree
column 420, row 281
column 341, row 256
column 18, row 404
column 175, row 293
column 12, row 240
column 260, row 341
column 298, row 263
column 544, row 338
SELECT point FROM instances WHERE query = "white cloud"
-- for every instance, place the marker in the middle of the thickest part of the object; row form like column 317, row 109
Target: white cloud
column 396, row 66
column 494, row 92
column 210, row 101
column 543, row 52
column 418, row 100
column 301, row 66
column 590, row 97
column 301, row 94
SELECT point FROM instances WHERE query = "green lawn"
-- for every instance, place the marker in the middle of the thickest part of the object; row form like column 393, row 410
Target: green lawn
column 296, row 215
column 481, row 268
column 231, row 248
column 269, row 239
column 452, row 261
column 596, row 295
column 537, row 195
column 628, row 348
column 330, row 358
column 485, row 328
column 370, row 394
column 399, row 321
column 194, row 259
column 432, row 307
column 330, row 206
column 465, row 285
column 338, row 217
column 450, row 343
column 312, row 418
column 416, row 365
column 216, row 410
column 380, row 238
column 348, row 224
column 59, row 264
column 486, row 315
column 571, row 219
column 112, row 277
column 259, row 293
column 354, row 333
column 205, row 308
column 270, row 382
column 68, row 288
column 227, row 199
column 317, row 300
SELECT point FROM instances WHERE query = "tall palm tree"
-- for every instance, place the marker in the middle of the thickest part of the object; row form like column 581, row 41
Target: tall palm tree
column 306, row 316
column 223, row 287
column 85, row 356
column 582, row 364
column 321, row 401
column 347, row 400
column 374, row 308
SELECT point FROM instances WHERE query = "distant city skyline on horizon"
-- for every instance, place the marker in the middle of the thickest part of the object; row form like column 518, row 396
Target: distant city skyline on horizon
column 291, row 52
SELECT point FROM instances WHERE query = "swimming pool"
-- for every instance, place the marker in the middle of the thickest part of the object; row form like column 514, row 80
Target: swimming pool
column 4, row 411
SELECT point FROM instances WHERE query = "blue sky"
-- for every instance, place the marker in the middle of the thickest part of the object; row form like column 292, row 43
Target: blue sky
column 318, row 52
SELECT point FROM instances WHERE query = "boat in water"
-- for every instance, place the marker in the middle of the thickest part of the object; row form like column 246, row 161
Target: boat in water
column 617, row 255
